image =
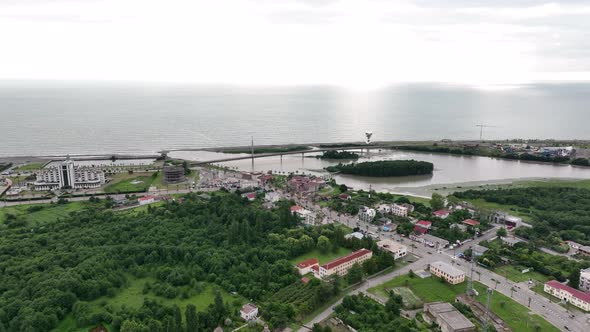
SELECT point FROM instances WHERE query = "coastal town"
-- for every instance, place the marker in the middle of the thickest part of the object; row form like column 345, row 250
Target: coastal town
column 426, row 239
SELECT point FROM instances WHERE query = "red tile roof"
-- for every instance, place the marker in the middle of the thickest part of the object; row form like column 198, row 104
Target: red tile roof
column 344, row 196
column 576, row 293
column 424, row 223
column 305, row 280
column 346, row 259
column 296, row 208
column 248, row 308
column 471, row 222
column 420, row 230
column 439, row 213
column 307, row 263
column 316, row 268
column 251, row 195
column 145, row 198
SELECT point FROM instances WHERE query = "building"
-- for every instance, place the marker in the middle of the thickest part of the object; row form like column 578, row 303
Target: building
column 307, row 217
column 433, row 241
column 422, row 227
column 443, row 214
column 249, row 196
column 341, row 265
column 146, row 200
column 356, row 235
column 173, row 174
column 265, row 179
column 408, row 207
column 506, row 219
column 272, row 197
column 366, row 214
column 585, row 280
column 384, row 208
column 471, row 222
column 477, row 250
column 397, row 249
column 447, row 317
column 345, row 197
column 568, row 294
column 399, row 210
column 249, row 312
column 305, row 267
column 389, row 227
column 304, row 184
column 510, row 241
column 450, row 273
column 67, row 175
column 579, row 248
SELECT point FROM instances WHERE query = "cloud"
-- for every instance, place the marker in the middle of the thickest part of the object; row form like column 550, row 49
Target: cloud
column 345, row 42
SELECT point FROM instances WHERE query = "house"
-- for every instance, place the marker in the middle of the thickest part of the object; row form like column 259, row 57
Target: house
column 250, row 196
column 448, row 272
column 409, row 207
column 443, row 214
column 265, row 179
column 389, row 227
column 433, row 241
column 296, row 208
column 397, row 249
column 366, row 214
column 305, row 280
column 356, row 235
column 506, row 219
column 568, row 294
column 384, row 208
column 304, row 184
column 272, row 196
column 585, row 280
column 345, row 197
column 510, row 241
column 305, row 266
column 447, row 317
column 399, row 210
column 422, row 226
column 579, row 248
column 477, row 250
column 341, row 265
column 307, row 217
column 249, row 312
column 146, row 200
column 471, row 222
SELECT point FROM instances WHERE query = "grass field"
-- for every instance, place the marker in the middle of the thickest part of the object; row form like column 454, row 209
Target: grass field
column 49, row 212
column 323, row 258
column 29, row 167
column 431, row 290
column 515, row 274
column 129, row 183
column 410, row 300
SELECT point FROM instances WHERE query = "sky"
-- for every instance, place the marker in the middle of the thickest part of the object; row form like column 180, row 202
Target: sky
column 359, row 43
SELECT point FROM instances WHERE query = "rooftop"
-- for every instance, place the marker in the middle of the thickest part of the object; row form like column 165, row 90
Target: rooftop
column 424, row 223
column 439, row 213
column 575, row 293
column 248, row 308
column 471, row 222
column 448, row 313
column 346, row 259
column 448, row 269
column 308, row 262
column 296, row 208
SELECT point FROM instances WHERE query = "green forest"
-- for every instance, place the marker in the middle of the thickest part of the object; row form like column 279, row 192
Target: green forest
column 384, row 168
column 338, row 155
column 558, row 213
column 220, row 252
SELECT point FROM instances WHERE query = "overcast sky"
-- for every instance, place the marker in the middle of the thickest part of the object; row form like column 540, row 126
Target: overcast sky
column 347, row 42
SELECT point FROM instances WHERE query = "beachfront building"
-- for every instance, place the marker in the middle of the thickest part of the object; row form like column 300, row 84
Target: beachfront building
column 568, row 294
column 397, row 249
column 450, row 273
column 69, row 176
column 341, row 265
column 399, row 210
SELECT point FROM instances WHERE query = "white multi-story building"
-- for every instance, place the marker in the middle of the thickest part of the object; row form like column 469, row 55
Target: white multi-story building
column 397, row 249
column 366, row 214
column 399, row 210
column 341, row 265
column 585, row 280
column 68, row 175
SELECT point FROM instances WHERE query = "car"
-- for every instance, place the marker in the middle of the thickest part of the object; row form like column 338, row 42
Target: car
column 567, row 328
column 429, row 253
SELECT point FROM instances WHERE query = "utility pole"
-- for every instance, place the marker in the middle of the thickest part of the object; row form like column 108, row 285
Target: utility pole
column 481, row 126
column 488, row 301
column 470, row 281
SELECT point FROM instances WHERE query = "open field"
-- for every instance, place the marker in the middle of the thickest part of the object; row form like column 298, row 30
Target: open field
column 46, row 212
column 432, row 289
column 323, row 258
column 29, row 167
column 130, row 183
column 515, row 274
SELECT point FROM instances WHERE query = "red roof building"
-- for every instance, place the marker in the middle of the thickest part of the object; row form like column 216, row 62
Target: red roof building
column 471, row 222
column 307, row 266
column 420, row 230
column 305, row 280
column 344, row 196
column 296, row 208
column 441, row 213
column 424, row 224
column 341, row 265
column 250, row 196
column 575, row 297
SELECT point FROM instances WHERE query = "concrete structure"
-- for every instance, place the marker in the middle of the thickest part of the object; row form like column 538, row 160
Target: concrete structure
column 366, row 214
column 67, row 175
column 506, row 219
column 585, row 280
column 397, row 249
column 480, row 312
column 341, row 265
column 173, row 174
column 356, row 235
column 579, row 248
column 478, row 250
column 510, row 241
column 305, row 267
column 249, row 312
column 272, row 196
column 433, row 241
column 568, row 294
column 399, row 210
column 444, row 270
column 384, row 208
column 307, row 217
column 304, row 184
column 447, row 317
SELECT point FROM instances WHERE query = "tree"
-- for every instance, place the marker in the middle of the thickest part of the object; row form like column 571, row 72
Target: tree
column 191, row 318
column 323, row 244
column 177, row 319
column 133, row 326
column 574, row 279
column 437, row 201
column 343, row 188
column 501, row 232
column 355, row 274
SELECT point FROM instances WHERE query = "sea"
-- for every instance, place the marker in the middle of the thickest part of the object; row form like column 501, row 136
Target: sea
column 39, row 118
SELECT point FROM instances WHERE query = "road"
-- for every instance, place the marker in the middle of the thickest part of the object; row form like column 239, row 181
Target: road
column 555, row 314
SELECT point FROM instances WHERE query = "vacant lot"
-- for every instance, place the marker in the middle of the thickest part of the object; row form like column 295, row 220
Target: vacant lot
column 41, row 213
column 122, row 183
column 514, row 273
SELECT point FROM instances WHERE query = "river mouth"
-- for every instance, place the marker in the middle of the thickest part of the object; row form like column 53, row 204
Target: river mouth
column 450, row 171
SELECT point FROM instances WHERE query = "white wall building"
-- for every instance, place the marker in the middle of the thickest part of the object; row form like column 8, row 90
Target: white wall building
column 585, row 280
column 399, row 210
column 397, row 249
column 450, row 273
column 68, row 175
column 249, row 312
column 568, row 294
column 366, row 214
